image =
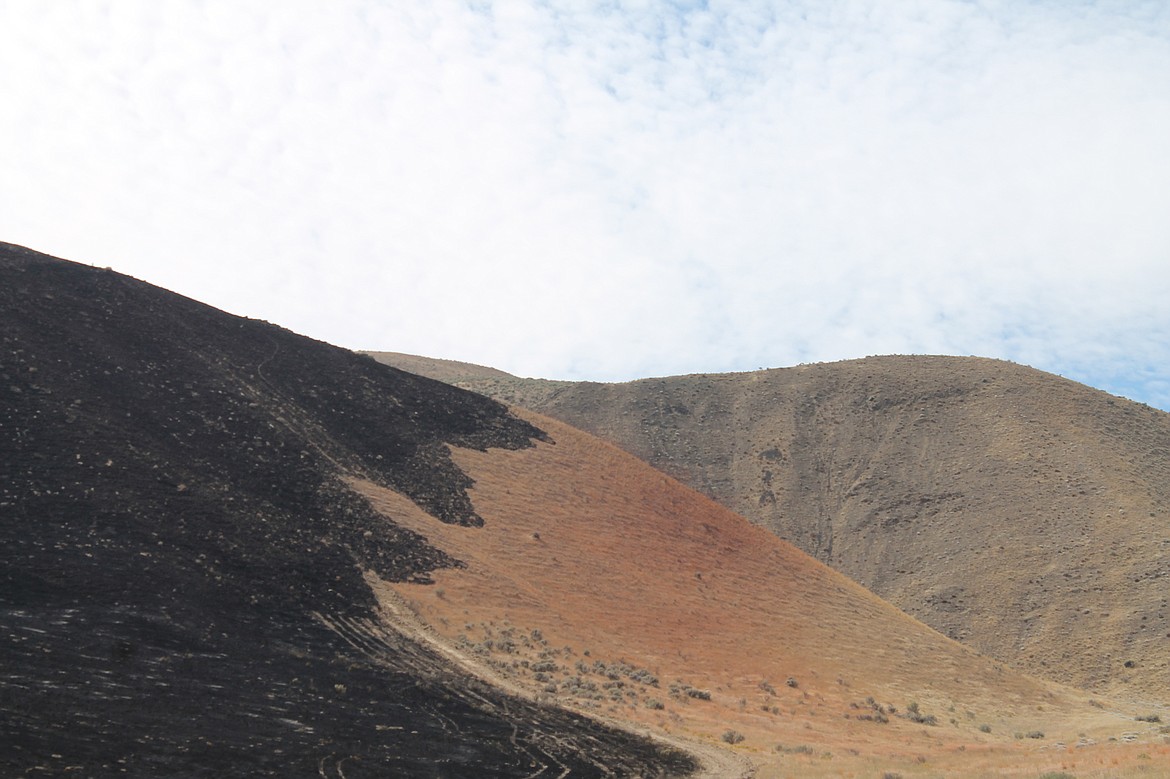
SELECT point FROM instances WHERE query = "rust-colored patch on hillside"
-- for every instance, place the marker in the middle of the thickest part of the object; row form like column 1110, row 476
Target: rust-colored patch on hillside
column 602, row 584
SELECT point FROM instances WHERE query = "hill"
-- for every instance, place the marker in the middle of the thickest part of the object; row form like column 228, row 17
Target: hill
column 605, row 586
column 1023, row 514
column 231, row 550
column 183, row 567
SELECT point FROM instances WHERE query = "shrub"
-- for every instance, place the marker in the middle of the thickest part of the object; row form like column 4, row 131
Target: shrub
column 984, row 728
column 914, row 714
column 1148, row 718
column 732, row 736
column 802, row 749
column 642, row 676
column 1030, row 734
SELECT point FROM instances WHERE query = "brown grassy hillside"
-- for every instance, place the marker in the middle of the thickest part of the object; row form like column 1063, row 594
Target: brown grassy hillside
column 600, row 583
column 1023, row 514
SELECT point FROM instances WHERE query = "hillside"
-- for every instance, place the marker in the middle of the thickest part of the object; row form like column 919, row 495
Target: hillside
column 604, row 585
column 183, row 567
column 1023, row 514
column 231, row 550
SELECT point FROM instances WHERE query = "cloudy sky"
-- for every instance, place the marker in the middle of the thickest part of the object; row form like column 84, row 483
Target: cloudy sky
column 599, row 189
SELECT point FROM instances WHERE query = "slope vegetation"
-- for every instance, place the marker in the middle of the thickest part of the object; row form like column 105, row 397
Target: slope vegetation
column 183, row 567
column 1023, row 514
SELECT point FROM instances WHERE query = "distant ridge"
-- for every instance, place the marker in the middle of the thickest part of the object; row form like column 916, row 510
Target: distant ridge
column 1021, row 513
column 449, row 371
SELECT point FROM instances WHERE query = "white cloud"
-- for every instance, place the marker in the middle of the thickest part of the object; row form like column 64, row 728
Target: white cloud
column 605, row 190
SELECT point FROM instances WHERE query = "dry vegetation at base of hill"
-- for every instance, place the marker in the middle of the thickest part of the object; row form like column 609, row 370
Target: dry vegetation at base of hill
column 1023, row 514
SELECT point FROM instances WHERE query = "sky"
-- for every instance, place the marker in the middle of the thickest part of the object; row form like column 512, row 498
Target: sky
column 609, row 190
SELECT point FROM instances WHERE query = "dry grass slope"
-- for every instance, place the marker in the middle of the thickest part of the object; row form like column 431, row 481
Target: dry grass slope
column 607, row 586
column 1023, row 514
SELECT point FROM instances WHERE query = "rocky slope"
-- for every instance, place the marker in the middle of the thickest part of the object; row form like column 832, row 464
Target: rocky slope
column 183, row 567
column 1023, row 514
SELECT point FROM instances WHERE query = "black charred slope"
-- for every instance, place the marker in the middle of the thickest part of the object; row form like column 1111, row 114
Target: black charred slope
column 178, row 551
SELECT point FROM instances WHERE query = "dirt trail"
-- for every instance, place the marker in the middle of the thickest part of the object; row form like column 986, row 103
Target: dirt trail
column 715, row 763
